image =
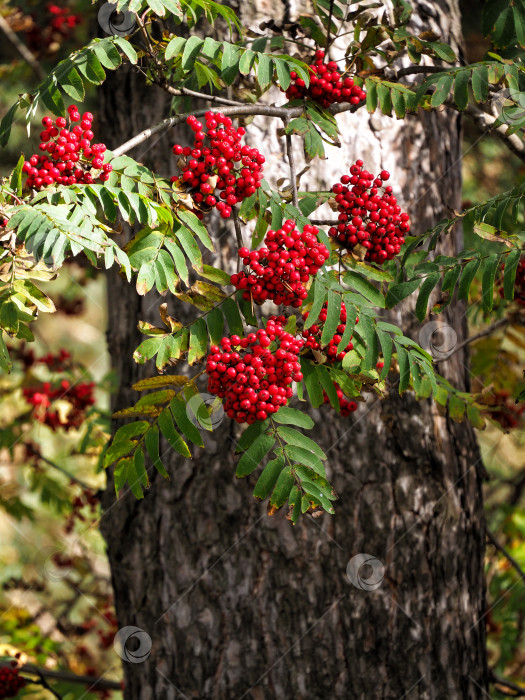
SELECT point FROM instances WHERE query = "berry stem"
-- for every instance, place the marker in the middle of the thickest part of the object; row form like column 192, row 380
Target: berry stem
column 328, row 31
column 238, row 234
column 291, row 163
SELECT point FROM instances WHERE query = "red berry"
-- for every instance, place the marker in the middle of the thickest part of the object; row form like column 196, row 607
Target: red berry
column 314, row 332
column 346, row 407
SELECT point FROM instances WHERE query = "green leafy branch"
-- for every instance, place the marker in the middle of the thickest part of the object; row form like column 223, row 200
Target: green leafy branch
column 297, row 474
column 71, row 76
column 167, row 407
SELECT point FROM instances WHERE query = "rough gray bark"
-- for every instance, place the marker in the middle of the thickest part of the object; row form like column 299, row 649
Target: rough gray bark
column 239, row 605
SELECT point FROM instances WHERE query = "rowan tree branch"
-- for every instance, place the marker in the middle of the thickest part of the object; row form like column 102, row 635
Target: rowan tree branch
column 486, row 331
column 485, row 122
column 519, row 691
column 482, row 119
column 178, row 92
column 507, row 556
column 21, row 49
column 70, row 677
column 43, row 682
column 65, row 471
column 237, row 111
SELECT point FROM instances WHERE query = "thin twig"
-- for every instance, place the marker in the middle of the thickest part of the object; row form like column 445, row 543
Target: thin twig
column 255, row 109
column 507, row 556
column 178, row 92
column 324, row 222
column 147, row 39
column 519, row 690
column 291, row 163
column 68, row 474
column 486, row 121
column 328, row 31
column 21, row 49
column 238, row 234
column 69, row 677
column 487, row 331
column 517, row 485
column 46, row 685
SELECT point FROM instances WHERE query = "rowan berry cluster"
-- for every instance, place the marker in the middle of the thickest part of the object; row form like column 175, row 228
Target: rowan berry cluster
column 519, row 284
column 313, row 335
column 10, row 681
column 224, row 172
column 26, row 355
column 256, row 381
column 327, row 85
column 48, row 33
column 280, row 270
column 509, row 414
column 367, row 217
column 55, row 362
column 68, row 156
column 79, row 396
column 88, row 499
column 347, row 406
column 107, row 636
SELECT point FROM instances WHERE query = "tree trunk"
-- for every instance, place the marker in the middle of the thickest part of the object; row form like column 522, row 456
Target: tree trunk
column 239, row 605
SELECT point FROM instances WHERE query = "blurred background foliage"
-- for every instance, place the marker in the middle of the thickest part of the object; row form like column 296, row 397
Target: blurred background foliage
column 56, row 608
column 497, row 361
column 55, row 595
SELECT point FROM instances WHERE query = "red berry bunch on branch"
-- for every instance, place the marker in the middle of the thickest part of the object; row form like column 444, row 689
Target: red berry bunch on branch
column 107, row 636
column 219, row 171
column 327, row 85
column 255, row 381
column 313, row 335
column 55, row 362
column 79, row 396
column 87, row 499
column 68, row 156
column 509, row 414
column 10, row 681
column 57, row 26
column 347, row 406
column 368, row 217
column 280, row 270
